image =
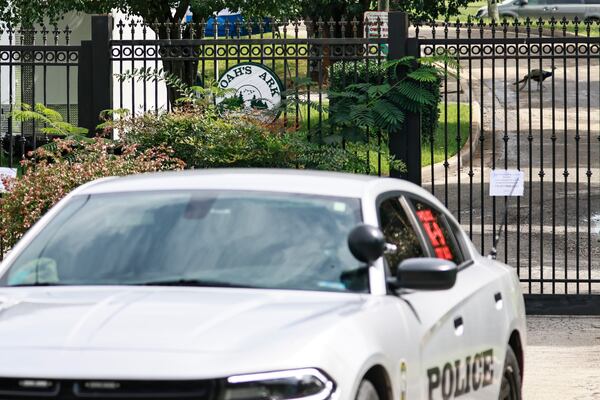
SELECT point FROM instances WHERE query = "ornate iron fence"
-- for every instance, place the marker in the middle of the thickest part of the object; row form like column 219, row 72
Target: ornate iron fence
column 31, row 61
column 530, row 94
column 492, row 113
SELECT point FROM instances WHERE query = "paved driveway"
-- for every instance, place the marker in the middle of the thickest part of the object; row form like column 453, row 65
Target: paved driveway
column 562, row 358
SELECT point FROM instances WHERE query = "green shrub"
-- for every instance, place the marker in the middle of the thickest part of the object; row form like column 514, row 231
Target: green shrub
column 346, row 73
column 210, row 140
column 52, row 172
column 3, row 157
column 206, row 135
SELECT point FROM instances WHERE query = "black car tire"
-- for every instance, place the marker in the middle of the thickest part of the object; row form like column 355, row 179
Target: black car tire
column 510, row 389
column 367, row 391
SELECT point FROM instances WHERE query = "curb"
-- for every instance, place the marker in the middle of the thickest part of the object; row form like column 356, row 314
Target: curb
column 464, row 152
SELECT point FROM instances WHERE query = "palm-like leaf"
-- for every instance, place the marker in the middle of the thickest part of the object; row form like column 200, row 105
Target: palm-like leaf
column 424, row 75
column 379, row 90
column 387, row 115
column 361, row 116
column 416, row 93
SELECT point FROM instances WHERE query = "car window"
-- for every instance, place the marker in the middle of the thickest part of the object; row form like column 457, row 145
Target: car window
column 438, row 232
column 228, row 238
column 535, row 3
column 398, row 231
column 564, row 2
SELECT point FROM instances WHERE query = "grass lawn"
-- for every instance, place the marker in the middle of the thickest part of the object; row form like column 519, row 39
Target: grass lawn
column 451, row 129
column 439, row 144
column 470, row 9
column 447, row 127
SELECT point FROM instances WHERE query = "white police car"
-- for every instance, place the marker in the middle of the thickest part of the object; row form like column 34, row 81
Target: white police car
column 256, row 284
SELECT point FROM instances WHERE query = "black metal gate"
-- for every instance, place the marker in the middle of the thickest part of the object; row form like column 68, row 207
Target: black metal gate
column 36, row 66
column 528, row 95
column 493, row 114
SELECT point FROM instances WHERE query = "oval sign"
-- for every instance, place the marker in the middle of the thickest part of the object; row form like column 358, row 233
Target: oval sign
column 256, row 85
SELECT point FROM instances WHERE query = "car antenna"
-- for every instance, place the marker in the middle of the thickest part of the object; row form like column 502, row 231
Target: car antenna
column 494, row 251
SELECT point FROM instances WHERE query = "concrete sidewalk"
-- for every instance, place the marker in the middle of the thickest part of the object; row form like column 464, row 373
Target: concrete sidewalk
column 562, row 359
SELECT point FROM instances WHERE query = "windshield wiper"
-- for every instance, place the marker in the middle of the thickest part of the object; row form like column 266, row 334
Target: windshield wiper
column 193, row 282
column 37, row 284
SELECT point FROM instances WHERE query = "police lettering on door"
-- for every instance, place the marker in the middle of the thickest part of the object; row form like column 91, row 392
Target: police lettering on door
column 460, row 377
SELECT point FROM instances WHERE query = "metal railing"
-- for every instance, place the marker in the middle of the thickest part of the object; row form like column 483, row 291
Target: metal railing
column 493, row 114
column 529, row 92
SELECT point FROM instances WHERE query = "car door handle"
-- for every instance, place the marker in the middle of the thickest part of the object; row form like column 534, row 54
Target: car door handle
column 545, row 9
column 459, row 326
column 498, row 300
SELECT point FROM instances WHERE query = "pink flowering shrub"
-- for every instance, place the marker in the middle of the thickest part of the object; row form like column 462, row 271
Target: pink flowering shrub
column 51, row 173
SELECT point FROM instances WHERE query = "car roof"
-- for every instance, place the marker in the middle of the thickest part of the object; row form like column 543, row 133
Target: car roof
column 272, row 180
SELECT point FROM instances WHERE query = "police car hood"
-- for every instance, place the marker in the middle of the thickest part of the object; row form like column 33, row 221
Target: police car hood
column 166, row 325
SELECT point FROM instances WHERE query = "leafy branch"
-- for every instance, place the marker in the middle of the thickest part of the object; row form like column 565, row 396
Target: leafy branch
column 53, row 122
column 194, row 95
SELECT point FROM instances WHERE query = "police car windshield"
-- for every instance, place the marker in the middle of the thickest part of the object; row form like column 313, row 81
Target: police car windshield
column 224, row 238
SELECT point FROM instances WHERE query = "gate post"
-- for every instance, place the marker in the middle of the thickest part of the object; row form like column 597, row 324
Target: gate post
column 95, row 77
column 405, row 144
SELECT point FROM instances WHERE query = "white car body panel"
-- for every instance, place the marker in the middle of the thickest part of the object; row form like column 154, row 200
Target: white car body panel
column 154, row 333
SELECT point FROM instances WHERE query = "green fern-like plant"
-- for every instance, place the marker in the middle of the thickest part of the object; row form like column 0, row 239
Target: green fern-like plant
column 383, row 106
column 52, row 121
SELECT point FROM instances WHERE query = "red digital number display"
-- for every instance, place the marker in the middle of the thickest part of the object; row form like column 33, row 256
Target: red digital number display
column 435, row 234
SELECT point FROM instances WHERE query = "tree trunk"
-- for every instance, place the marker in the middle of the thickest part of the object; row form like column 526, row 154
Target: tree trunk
column 186, row 69
column 383, row 5
column 493, row 10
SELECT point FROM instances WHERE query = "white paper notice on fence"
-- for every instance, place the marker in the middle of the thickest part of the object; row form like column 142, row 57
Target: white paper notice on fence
column 6, row 172
column 506, row 182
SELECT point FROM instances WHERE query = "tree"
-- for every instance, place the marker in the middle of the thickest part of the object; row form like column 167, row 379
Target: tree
column 28, row 12
column 493, row 10
column 427, row 10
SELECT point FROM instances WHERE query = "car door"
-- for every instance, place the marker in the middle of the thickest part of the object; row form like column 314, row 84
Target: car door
column 400, row 231
column 568, row 9
column 440, row 314
column 533, row 9
column 592, row 9
column 472, row 314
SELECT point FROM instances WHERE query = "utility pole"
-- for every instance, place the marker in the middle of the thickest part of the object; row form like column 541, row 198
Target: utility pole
column 493, row 10
column 383, row 5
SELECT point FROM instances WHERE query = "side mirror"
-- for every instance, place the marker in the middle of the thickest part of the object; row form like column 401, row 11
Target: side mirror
column 426, row 274
column 366, row 243
column 522, row 3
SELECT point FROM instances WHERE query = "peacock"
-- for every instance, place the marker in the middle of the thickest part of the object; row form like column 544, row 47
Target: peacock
column 538, row 75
